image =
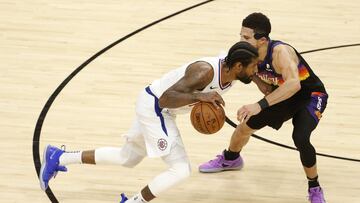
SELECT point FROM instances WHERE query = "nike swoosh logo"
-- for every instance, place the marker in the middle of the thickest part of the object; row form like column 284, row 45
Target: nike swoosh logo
column 224, row 165
column 211, row 87
column 52, row 155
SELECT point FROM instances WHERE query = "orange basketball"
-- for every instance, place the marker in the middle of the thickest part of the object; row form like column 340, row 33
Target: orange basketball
column 206, row 118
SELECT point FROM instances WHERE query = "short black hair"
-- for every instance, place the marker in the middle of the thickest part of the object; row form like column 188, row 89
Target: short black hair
column 259, row 23
column 242, row 52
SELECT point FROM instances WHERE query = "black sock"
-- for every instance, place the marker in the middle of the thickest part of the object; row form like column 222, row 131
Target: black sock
column 229, row 155
column 313, row 182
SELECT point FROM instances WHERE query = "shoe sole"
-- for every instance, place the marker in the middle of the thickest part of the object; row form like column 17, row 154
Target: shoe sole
column 43, row 166
column 220, row 169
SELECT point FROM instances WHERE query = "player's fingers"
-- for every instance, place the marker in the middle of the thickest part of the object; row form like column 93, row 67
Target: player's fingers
column 222, row 101
column 241, row 111
column 219, row 99
column 217, row 106
column 247, row 118
column 241, row 115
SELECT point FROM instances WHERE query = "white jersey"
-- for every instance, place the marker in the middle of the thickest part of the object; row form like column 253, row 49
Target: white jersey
column 158, row 87
column 154, row 131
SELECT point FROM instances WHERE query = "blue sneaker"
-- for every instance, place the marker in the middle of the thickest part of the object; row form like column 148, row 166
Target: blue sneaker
column 50, row 165
column 123, row 198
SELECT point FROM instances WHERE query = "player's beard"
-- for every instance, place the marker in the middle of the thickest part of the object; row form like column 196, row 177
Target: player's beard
column 245, row 79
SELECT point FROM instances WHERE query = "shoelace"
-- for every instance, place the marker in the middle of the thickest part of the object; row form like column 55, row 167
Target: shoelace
column 217, row 160
column 63, row 148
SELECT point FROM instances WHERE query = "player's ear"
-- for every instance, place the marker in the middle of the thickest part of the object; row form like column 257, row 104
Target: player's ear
column 262, row 40
column 239, row 66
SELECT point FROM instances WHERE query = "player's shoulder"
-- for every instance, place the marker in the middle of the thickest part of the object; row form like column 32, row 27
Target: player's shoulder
column 200, row 68
column 283, row 49
column 206, row 63
column 200, row 65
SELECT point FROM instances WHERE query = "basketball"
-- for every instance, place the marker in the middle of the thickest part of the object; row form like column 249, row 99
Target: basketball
column 206, row 118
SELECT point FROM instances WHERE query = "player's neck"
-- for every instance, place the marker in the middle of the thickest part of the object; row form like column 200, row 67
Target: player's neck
column 263, row 50
column 225, row 74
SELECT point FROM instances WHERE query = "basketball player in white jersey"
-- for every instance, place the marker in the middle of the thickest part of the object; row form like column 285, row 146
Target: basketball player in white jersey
column 154, row 132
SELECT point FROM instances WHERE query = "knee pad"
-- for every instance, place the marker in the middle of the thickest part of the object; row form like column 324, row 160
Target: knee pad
column 177, row 172
column 300, row 142
column 182, row 170
column 129, row 157
column 301, row 138
column 307, row 151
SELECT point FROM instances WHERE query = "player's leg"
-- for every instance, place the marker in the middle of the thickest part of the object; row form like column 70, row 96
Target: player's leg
column 55, row 159
column 304, row 124
column 179, row 169
column 230, row 159
column 162, row 139
column 305, row 121
column 129, row 155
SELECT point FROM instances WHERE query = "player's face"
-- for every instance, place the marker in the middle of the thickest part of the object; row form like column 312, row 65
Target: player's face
column 246, row 73
column 247, row 35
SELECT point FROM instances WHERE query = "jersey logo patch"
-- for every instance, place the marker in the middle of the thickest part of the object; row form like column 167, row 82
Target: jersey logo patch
column 268, row 68
column 162, row 144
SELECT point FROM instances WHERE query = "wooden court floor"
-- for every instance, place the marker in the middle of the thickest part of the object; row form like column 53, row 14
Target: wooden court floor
column 42, row 42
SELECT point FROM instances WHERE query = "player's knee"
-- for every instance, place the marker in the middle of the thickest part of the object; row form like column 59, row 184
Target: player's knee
column 132, row 160
column 301, row 140
column 129, row 157
column 309, row 162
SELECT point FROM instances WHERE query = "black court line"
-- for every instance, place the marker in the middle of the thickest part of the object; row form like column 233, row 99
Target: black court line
column 230, row 122
column 41, row 118
column 328, row 48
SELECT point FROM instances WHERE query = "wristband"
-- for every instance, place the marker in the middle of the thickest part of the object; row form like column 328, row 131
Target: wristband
column 263, row 103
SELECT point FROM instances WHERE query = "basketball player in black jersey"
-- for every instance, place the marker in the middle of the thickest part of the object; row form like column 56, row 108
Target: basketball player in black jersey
column 292, row 91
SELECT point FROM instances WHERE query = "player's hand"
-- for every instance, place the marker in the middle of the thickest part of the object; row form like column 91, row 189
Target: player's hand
column 263, row 87
column 246, row 111
column 212, row 97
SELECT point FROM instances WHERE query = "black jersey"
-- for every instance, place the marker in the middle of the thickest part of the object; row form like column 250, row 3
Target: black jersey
column 308, row 80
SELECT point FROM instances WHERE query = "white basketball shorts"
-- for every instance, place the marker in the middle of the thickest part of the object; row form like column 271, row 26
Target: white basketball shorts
column 153, row 132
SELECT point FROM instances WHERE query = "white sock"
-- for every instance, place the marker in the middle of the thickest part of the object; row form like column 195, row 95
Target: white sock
column 70, row 158
column 136, row 199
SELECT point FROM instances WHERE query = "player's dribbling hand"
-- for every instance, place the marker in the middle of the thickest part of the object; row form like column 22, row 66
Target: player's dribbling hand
column 214, row 98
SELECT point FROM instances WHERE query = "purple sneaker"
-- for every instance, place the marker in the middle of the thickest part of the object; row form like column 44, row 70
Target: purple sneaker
column 316, row 195
column 220, row 164
column 50, row 165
